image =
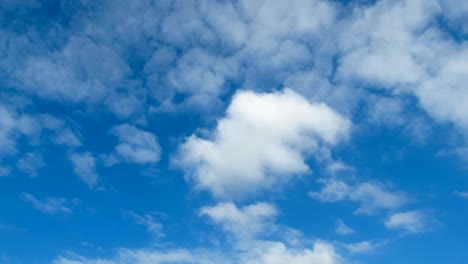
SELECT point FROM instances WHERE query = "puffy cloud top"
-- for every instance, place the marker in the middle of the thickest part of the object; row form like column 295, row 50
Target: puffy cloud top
column 261, row 142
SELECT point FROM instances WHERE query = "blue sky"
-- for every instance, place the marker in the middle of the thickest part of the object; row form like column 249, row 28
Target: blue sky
column 256, row 132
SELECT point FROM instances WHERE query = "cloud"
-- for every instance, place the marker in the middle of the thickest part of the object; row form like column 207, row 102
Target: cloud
column 84, row 165
column 50, row 205
column 263, row 253
column 278, row 253
column 30, row 163
column 261, row 142
column 460, row 194
column 245, row 222
column 370, row 196
column 61, row 133
column 343, row 229
column 153, row 225
column 411, row 221
column 363, row 247
column 146, row 256
column 134, row 146
column 72, row 74
column 14, row 125
column 414, row 56
column 249, row 225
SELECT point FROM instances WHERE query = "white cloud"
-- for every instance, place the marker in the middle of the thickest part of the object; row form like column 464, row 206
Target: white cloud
column 398, row 45
column 278, row 253
column 84, row 165
column 62, row 134
column 261, row 142
column 245, row 222
column 72, row 73
column 370, row 196
column 343, row 229
column 30, row 164
column 153, row 226
column 363, row 246
column 148, row 256
column 411, row 221
column 247, row 225
column 262, row 253
column 134, row 146
column 14, row 125
column 50, row 205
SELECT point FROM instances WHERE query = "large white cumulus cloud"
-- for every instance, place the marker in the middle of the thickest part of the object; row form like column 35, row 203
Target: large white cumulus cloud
column 262, row 141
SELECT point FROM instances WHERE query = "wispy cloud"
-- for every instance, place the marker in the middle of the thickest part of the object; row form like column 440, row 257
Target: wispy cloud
column 51, row 205
column 343, row 229
column 148, row 220
column 370, row 196
column 412, row 221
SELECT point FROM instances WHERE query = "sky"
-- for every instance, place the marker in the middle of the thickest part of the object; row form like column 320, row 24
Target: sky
column 233, row 132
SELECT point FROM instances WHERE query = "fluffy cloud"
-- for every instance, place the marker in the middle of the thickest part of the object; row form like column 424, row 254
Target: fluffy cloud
column 50, row 205
column 84, row 165
column 397, row 45
column 264, row 253
column 73, row 74
column 363, row 247
column 278, row 253
column 370, row 196
column 261, row 142
column 135, row 146
column 243, row 223
column 61, row 133
column 411, row 221
column 247, row 224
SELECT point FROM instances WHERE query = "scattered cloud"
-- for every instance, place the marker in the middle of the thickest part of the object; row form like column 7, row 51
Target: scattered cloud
column 343, row 229
column 30, row 164
column 411, row 221
column 364, row 246
column 245, row 222
column 370, row 196
column 134, row 146
column 84, row 165
column 50, row 205
column 276, row 253
column 152, row 224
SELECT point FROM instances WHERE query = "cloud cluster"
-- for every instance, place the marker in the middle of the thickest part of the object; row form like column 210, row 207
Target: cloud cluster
column 197, row 57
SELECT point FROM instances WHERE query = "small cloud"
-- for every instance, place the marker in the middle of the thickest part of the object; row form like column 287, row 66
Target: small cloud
column 363, row 247
column 411, row 221
column 4, row 171
column 51, row 205
column 460, row 194
column 152, row 224
column 370, row 196
column 84, row 165
column 30, row 164
column 343, row 229
column 244, row 222
column 134, row 146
